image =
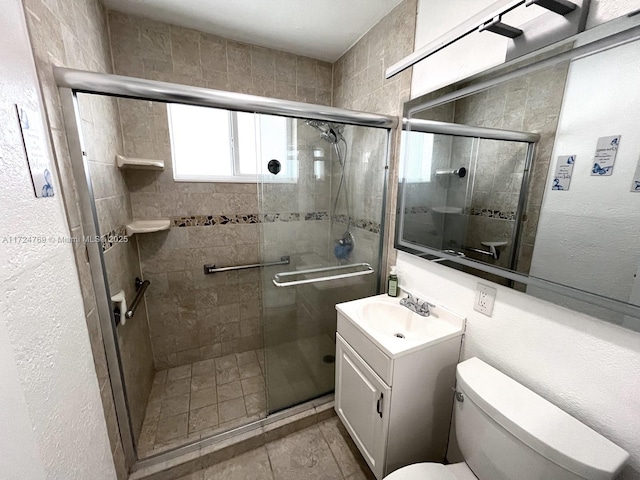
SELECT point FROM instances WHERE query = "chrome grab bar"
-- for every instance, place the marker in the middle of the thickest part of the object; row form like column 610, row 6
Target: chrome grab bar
column 141, row 287
column 368, row 269
column 211, row 268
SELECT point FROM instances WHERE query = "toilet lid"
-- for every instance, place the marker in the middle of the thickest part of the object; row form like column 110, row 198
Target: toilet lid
column 422, row 471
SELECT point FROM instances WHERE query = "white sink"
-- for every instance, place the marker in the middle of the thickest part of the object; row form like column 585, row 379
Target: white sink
column 395, row 329
column 390, row 319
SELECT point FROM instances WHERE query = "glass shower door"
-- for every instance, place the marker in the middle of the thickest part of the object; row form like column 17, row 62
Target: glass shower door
column 322, row 210
column 465, row 196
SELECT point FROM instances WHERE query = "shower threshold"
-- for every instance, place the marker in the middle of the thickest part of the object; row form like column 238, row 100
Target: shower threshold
column 217, row 448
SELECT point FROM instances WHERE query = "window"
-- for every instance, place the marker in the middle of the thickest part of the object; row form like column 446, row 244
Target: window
column 215, row 145
column 416, row 145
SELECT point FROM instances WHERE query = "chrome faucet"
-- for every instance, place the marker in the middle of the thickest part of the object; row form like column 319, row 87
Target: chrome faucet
column 415, row 305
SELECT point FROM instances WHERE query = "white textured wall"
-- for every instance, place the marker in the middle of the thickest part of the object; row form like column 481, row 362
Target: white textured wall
column 479, row 51
column 584, row 366
column 604, row 10
column 19, row 454
column 573, row 242
column 47, row 366
column 470, row 55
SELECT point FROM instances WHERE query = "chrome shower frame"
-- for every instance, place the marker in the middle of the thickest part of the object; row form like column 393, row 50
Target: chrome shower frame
column 72, row 82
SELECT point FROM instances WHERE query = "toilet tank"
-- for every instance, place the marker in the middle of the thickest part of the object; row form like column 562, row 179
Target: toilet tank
column 507, row 432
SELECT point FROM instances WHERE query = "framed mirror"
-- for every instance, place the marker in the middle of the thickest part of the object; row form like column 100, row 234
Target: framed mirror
column 528, row 175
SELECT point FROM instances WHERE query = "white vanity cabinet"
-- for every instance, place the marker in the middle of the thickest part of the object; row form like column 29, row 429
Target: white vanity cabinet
column 396, row 403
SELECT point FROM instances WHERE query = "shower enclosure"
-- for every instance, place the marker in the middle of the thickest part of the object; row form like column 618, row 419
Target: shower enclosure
column 248, row 219
column 464, row 191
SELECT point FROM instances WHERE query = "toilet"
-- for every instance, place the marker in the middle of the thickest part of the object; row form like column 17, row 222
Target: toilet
column 507, row 432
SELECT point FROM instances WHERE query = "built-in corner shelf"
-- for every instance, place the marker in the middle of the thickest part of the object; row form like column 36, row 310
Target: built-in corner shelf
column 147, row 226
column 139, row 163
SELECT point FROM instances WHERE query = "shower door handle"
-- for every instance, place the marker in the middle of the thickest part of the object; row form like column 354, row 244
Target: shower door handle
column 277, row 279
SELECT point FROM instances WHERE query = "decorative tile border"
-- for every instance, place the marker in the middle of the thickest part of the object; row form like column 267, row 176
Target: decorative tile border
column 211, row 220
column 368, row 225
column 482, row 212
column 316, row 216
column 279, row 217
column 418, row 209
column 486, row 212
column 115, row 236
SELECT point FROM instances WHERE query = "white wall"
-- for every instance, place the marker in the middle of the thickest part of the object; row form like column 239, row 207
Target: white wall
column 574, row 224
column 479, row 51
column 470, row 55
column 584, row 366
column 49, row 389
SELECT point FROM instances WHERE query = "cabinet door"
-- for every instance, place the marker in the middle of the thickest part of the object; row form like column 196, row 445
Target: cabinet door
column 362, row 402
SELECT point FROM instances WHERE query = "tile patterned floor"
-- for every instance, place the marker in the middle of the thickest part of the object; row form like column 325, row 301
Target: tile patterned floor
column 320, row 452
column 201, row 399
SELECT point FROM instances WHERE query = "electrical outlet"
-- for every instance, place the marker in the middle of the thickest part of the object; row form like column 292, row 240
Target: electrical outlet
column 485, row 298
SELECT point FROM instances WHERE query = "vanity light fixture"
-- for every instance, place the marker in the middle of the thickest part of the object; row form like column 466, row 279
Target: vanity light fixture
column 564, row 19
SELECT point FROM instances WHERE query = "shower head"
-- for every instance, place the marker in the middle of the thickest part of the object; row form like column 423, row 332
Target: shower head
column 331, row 132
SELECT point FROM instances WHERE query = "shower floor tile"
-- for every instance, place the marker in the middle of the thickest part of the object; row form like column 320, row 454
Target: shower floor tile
column 202, row 399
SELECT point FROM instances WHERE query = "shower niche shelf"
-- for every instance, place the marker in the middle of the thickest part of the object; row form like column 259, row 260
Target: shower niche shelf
column 147, row 226
column 139, row 163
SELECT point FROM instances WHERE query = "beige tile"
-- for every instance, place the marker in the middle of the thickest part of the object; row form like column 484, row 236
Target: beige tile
column 250, row 370
column 239, row 59
column 199, row 475
column 213, row 52
column 253, row 465
column 287, row 426
column 231, row 409
column 171, row 427
column 203, row 397
column 205, row 367
column 255, row 403
column 179, row 387
column 336, row 437
column 175, row 405
column 253, row 385
column 359, row 476
column 229, row 391
column 206, row 417
column 225, row 363
column 304, row 454
column 201, row 382
column 178, row 373
column 160, row 377
column 245, row 358
column 226, row 376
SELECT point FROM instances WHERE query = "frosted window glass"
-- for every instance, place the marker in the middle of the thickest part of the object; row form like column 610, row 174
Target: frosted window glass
column 200, row 141
column 416, row 145
column 274, row 139
column 246, row 143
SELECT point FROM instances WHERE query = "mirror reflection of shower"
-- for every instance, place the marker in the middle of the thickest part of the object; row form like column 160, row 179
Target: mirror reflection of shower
column 332, row 133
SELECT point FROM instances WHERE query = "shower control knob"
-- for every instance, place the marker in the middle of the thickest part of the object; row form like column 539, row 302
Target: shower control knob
column 274, row 166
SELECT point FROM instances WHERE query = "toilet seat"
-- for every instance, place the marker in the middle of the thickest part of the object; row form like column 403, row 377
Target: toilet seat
column 433, row 471
column 422, row 471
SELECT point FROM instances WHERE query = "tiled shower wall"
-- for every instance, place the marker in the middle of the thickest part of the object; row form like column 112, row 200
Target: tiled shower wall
column 145, row 48
column 194, row 317
column 359, row 84
column 532, row 104
column 100, row 125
